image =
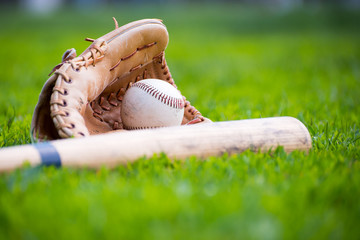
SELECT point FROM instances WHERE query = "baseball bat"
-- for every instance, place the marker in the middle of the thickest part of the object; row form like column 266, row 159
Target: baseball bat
column 201, row 140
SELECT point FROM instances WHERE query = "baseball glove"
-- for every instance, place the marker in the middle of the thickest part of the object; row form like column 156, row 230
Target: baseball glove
column 83, row 96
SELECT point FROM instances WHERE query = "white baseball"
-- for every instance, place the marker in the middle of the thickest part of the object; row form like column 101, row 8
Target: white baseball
column 152, row 103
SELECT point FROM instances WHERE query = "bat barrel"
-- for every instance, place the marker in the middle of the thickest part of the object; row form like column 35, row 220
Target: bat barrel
column 201, row 140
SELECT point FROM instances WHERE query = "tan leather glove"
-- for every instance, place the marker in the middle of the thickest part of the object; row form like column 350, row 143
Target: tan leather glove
column 83, row 96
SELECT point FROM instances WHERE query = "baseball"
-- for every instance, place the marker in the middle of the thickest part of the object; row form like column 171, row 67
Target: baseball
column 152, row 103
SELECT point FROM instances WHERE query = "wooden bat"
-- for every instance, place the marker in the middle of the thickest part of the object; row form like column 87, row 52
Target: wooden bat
column 202, row 140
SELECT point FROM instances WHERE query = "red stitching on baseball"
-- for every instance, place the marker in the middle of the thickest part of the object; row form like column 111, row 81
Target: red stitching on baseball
column 162, row 97
column 138, row 128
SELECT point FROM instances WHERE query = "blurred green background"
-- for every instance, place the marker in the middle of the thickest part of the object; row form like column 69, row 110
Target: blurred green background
column 232, row 60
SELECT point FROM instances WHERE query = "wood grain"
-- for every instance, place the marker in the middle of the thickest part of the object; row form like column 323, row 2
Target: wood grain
column 201, row 140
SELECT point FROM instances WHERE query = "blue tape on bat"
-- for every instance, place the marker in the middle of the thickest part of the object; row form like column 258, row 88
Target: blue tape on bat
column 49, row 155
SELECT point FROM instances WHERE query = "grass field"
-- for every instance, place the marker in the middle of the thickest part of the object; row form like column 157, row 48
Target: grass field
column 232, row 63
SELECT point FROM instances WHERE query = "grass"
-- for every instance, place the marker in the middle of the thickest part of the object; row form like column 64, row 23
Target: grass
column 232, row 62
